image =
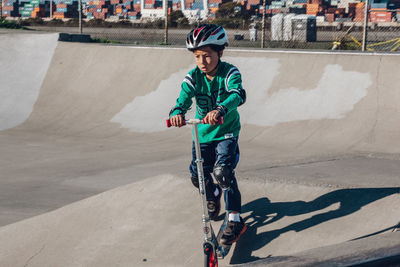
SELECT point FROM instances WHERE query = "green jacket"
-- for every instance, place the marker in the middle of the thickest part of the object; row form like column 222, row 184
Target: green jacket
column 224, row 90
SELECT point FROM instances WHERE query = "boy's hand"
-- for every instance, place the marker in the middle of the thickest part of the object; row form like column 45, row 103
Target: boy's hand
column 177, row 120
column 212, row 117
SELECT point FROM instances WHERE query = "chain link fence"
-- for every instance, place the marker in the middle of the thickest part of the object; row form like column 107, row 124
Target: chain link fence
column 292, row 24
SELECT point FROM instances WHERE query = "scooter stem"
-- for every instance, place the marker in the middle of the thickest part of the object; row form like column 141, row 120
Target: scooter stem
column 209, row 235
column 207, row 228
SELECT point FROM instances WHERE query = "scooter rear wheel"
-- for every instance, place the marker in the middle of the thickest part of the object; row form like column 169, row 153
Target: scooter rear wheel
column 210, row 258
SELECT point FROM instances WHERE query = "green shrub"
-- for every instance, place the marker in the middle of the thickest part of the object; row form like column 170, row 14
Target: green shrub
column 9, row 24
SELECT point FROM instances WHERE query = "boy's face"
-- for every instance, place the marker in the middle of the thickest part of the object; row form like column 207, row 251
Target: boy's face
column 206, row 59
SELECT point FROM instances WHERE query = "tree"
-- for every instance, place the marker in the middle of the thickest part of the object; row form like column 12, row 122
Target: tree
column 232, row 10
column 177, row 19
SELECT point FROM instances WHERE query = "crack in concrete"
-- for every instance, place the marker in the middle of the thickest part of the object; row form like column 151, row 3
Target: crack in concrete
column 307, row 162
column 33, row 256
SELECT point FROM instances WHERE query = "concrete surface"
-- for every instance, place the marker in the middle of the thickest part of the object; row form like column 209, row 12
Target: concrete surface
column 379, row 250
column 91, row 177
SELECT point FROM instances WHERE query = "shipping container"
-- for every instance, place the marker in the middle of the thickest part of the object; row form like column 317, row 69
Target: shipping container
column 380, row 16
column 320, row 19
column 336, row 10
column 70, row 2
column 330, row 17
column 297, row 10
column 8, row 8
column 304, row 28
column 277, row 27
column 278, row 3
column 318, row 2
column 379, row 5
column 288, row 27
column 343, row 19
column 10, row 13
column 312, row 9
column 213, row 9
column 26, row 13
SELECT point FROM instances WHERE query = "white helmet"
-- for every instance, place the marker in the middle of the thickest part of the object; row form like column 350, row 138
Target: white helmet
column 206, row 34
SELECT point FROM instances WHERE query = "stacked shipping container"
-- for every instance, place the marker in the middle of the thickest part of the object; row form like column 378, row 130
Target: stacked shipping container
column 383, row 12
column 380, row 16
column 312, row 9
column 65, row 9
column 101, row 9
column 334, row 10
column 359, row 12
column 10, row 8
column 176, row 6
column 213, row 5
column 32, row 9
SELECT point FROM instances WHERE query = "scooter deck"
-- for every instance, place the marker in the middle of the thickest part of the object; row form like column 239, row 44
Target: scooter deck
column 222, row 249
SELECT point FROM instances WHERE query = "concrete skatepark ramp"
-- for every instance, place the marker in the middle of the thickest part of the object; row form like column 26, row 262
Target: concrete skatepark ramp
column 90, row 176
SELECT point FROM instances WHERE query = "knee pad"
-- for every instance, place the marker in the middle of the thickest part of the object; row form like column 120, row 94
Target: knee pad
column 195, row 181
column 223, row 175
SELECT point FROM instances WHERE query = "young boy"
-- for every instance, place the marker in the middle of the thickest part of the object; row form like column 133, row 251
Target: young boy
column 217, row 88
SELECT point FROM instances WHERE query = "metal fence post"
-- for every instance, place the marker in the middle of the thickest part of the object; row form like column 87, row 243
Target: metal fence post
column 166, row 21
column 80, row 16
column 263, row 26
column 364, row 40
column 51, row 9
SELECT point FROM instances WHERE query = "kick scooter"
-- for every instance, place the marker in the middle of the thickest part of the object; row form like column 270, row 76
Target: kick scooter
column 211, row 246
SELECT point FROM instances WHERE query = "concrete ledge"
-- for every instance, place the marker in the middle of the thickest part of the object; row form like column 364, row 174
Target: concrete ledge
column 81, row 38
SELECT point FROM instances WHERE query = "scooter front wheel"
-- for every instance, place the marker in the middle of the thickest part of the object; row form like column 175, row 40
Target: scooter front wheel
column 210, row 257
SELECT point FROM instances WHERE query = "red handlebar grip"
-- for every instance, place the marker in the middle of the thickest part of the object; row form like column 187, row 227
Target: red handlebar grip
column 220, row 120
column 169, row 123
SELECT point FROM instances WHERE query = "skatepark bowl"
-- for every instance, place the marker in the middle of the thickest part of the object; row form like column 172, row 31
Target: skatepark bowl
column 90, row 175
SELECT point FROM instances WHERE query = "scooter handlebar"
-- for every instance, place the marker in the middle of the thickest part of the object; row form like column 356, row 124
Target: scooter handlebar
column 192, row 121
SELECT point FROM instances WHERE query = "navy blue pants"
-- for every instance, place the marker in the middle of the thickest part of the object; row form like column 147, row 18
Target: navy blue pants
column 222, row 153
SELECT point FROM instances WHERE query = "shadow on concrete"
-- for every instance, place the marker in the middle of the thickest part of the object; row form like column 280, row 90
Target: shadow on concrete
column 264, row 212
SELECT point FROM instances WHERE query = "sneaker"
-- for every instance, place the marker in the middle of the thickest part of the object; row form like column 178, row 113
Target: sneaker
column 233, row 231
column 214, row 206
